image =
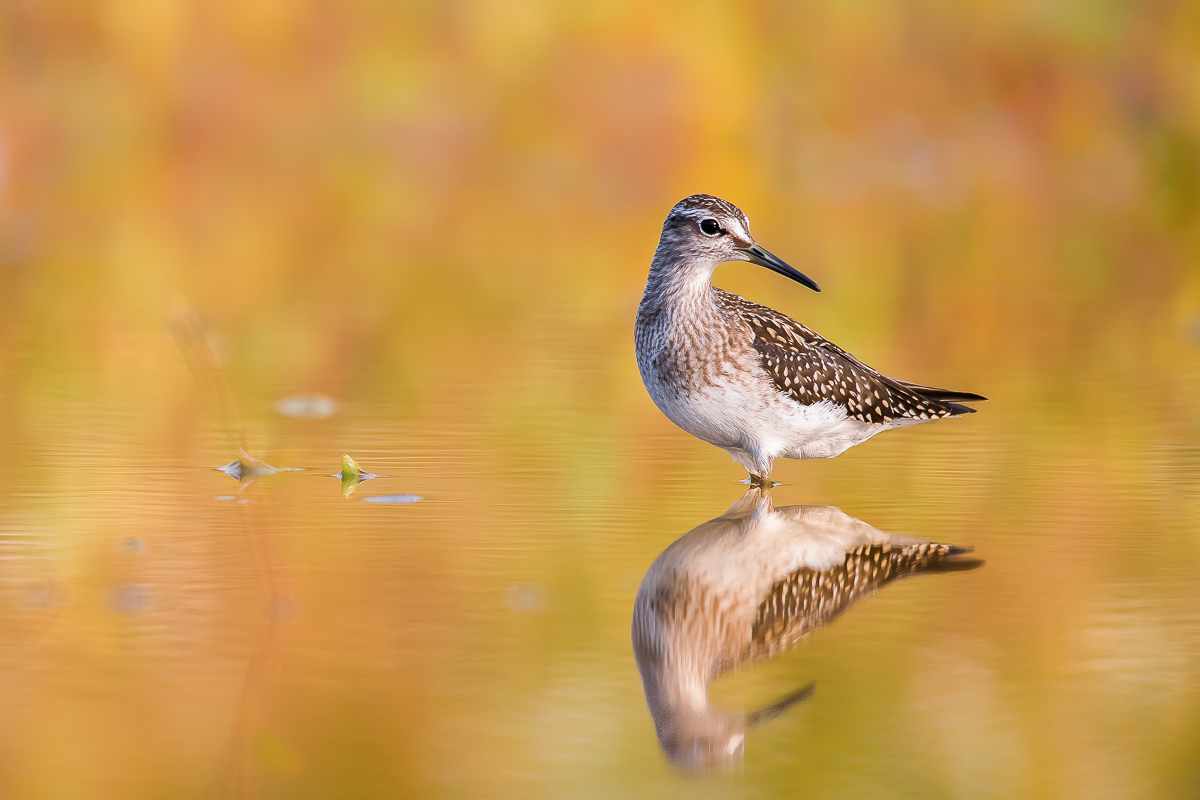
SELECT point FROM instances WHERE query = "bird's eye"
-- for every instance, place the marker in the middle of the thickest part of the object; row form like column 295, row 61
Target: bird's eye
column 710, row 227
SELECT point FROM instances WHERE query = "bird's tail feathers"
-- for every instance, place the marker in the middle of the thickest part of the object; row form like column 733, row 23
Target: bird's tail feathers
column 943, row 395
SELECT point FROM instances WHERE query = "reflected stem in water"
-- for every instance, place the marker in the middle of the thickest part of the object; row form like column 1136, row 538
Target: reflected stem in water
column 244, row 777
column 202, row 361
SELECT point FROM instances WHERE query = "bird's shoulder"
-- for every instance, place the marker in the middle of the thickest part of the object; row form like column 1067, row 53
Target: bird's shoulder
column 770, row 325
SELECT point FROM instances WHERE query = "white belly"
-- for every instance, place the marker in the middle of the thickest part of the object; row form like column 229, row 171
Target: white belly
column 757, row 424
column 717, row 390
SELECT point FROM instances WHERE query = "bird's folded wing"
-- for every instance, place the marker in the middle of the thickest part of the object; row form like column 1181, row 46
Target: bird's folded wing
column 810, row 369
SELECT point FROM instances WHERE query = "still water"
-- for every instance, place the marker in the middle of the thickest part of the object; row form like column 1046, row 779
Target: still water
column 414, row 234
column 172, row 631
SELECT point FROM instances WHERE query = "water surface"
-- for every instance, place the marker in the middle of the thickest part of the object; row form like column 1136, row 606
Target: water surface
column 416, row 234
column 170, row 630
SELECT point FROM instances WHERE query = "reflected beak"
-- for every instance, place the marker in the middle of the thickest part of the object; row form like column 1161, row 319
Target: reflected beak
column 756, row 254
column 768, row 713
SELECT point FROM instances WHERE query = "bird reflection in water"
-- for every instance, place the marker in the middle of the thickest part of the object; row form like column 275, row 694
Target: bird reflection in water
column 742, row 588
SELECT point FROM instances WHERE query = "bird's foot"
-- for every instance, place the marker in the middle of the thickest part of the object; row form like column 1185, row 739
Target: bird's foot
column 761, row 481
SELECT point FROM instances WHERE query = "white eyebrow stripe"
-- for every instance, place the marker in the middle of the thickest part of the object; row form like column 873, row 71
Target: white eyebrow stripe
column 735, row 227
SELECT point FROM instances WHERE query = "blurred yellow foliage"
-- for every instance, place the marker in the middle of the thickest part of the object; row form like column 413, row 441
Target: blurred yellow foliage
column 441, row 214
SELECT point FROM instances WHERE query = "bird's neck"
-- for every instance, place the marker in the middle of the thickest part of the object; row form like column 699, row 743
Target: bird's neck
column 680, row 287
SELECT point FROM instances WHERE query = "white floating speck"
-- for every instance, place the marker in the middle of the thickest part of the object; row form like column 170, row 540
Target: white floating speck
column 393, row 498
column 307, row 406
column 526, row 598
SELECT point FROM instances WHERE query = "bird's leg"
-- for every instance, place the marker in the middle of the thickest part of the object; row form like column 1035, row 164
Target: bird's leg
column 758, row 467
column 762, row 476
column 762, row 480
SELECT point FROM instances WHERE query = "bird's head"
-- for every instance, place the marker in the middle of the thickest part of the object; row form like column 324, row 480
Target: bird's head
column 706, row 230
column 712, row 743
column 699, row 741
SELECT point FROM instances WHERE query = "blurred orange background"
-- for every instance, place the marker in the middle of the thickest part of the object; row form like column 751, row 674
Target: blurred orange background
column 441, row 215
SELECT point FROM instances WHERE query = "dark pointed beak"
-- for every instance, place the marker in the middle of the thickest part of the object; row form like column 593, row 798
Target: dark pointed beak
column 768, row 713
column 756, row 254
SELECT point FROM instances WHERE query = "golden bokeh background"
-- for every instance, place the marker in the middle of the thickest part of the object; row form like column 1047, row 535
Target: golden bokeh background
column 441, row 215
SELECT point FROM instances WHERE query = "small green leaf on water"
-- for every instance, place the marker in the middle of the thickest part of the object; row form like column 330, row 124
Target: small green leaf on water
column 352, row 475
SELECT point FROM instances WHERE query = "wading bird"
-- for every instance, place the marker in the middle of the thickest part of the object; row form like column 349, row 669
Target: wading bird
column 749, row 379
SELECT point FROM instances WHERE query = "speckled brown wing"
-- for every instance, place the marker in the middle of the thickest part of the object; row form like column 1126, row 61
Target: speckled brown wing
column 810, row 368
column 808, row 598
